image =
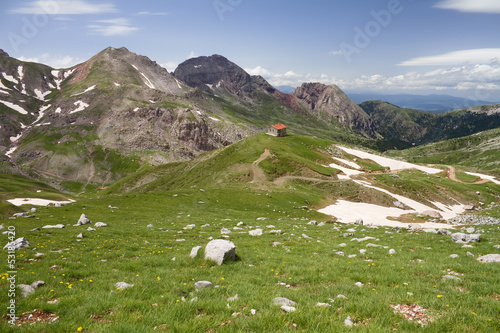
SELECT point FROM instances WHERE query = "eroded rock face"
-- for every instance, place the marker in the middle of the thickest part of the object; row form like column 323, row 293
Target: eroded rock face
column 220, row 251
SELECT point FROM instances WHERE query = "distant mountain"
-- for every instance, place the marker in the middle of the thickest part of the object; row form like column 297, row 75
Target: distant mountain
column 402, row 127
column 432, row 103
column 286, row 89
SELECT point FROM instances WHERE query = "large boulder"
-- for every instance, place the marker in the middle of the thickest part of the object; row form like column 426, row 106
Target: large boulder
column 17, row 244
column 489, row 258
column 465, row 238
column 83, row 220
column 220, row 251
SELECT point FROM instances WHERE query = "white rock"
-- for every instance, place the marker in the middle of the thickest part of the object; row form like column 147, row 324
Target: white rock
column 454, row 256
column 348, row 321
column 83, row 220
column 255, row 232
column 220, row 250
column 194, row 251
column 283, row 301
column 233, row 298
column 253, row 311
column 123, row 285
column 306, row 237
column 203, row 284
column 323, row 305
column 359, row 284
column 57, row 226
column 17, row 244
column 392, row 251
column 225, row 231
column 100, row 224
column 90, row 229
column 288, row 308
column 489, row 258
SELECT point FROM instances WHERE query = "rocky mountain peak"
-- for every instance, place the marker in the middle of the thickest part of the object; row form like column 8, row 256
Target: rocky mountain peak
column 3, row 53
column 212, row 72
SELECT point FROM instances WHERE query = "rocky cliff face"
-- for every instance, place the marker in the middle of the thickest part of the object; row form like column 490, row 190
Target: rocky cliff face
column 329, row 102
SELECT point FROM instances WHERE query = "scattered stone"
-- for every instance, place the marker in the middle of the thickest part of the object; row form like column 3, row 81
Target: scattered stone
column 149, row 226
column 470, row 230
column 189, row 226
column 341, row 296
column 412, row 312
column 239, row 224
column 270, row 226
column 203, row 284
column 414, row 227
column 453, row 256
column 275, row 232
column 465, row 238
column 33, row 210
column 220, row 250
column 312, row 222
column 430, row 230
column 489, row 258
column 359, row 284
column 30, row 289
column 443, row 232
column 54, row 301
column 363, row 239
column 283, row 301
column 288, row 308
column 100, row 224
column 395, row 229
column 80, row 235
column 352, row 256
column 306, row 237
column 20, row 214
column 123, row 285
column 91, row 229
column 348, row 321
column 340, row 253
column 348, row 234
column 37, row 284
column 450, row 277
column 323, row 305
column 399, row 204
column 225, row 231
column 362, row 251
column 194, row 251
column 17, row 244
column 256, row 232
column 470, row 254
column 261, row 218
column 57, row 226
column 83, row 220
column 392, row 251
column 359, row 222
column 342, row 244
column 253, row 311
column 469, row 207
column 232, row 298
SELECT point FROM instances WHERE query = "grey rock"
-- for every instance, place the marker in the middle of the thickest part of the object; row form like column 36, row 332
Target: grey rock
column 451, row 277
column 275, row 232
column 359, row 284
column 359, row 222
column 36, row 229
column 288, row 308
column 20, row 214
column 465, row 238
column 123, row 285
column 57, row 226
column 454, row 256
column 17, row 244
column 100, row 224
column 33, row 210
column 80, row 235
column 203, row 284
column 305, row 236
column 26, row 290
column 489, row 258
column 395, row 229
column 83, row 220
column 149, row 226
column 283, row 301
column 225, row 231
column 312, row 222
column 470, row 230
column 220, row 251
column 430, row 230
column 91, row 229
column 399, row 204
column 232, row 298
column 443, row 232
column 414, row 227
column 348, row 234
column 392, row 251
column 37, row 284
column 256, row 232
column 470, row 254
column 323, row 305
column 194, row 251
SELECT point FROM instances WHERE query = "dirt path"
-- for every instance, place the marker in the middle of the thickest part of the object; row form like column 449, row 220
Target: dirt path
column 258, row 175
column 452, row 175
column 281, row 180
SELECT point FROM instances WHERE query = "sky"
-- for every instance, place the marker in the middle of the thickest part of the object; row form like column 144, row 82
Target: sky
column 366, row 46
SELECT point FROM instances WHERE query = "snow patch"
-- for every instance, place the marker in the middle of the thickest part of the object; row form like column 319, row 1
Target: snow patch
column 146, row 81
column 136, row 109
column 37, row 201
column 40, row 95
column 151, row 101
column 81, row 106
column 117, row 84
column 347, row 171
column 9, row 153
column 10, row 78
column 197, row 66
column 24, row 89
column 42, row 124
column 22, row 126
column 349, row 163
column 51, row 86
column 211, row 86
column 55, row 73
column 14, row 107
column 41, row 113
column 58, row 110
column 85, row 91
column 3, row 87
column 4, row 92
column 20, row 72
column 15, row 138
column 389, row 162
column 178, row 84
column 480, row 175
column 214, row 119
column 199, row 112
column 68, row 73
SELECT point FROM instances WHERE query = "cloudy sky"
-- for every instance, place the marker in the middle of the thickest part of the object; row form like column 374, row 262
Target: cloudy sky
column 382, row 46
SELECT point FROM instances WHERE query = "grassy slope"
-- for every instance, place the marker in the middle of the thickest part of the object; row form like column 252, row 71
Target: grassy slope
column 474, row 152
column 127, row 250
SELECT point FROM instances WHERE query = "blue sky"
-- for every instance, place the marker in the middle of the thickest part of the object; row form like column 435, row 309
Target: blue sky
column 382, row 46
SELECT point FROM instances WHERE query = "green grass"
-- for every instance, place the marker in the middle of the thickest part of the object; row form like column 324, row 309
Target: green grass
column 128, row 251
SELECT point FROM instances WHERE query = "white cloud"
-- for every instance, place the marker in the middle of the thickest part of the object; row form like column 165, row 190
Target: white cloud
column 471, row 6
column 473, row 56
column 192, row 54
column 151, row 13
column 170, row 65
column 113, row 27
column 58, row 61
column 64, row 7
column 259, row 70
column 335, row 52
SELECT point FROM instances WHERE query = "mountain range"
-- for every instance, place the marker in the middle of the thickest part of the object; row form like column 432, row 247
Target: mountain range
column 94, row 123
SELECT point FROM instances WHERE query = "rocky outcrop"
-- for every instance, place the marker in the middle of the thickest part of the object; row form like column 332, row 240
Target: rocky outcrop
column 330, row 102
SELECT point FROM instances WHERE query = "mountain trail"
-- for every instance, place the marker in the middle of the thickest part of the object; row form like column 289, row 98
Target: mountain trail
column 452, row 175
column 258, row 175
